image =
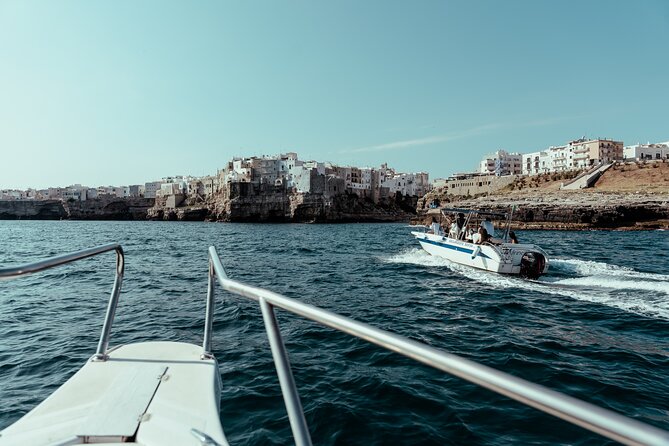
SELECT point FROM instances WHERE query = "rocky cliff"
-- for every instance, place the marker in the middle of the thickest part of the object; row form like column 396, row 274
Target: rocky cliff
column 32, row 210
column 106, row 208
column 277, row 206
column 630, row 195
column 578, row 210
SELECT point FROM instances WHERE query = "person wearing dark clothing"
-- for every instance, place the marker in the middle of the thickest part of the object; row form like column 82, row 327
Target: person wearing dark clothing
column 481, row 237
column 512, row 237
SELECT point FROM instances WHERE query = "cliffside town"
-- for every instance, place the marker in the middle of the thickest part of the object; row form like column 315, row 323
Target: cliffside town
column 586, row 183
column 279, row 188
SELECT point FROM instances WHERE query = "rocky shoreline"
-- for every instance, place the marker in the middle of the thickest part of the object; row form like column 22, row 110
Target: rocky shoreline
column 575, row 210
column 95, row 209
column 270, row 208
column 295, row 208
column 553, row 210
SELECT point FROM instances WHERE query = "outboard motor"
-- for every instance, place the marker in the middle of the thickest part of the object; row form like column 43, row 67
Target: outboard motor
column 532, row 265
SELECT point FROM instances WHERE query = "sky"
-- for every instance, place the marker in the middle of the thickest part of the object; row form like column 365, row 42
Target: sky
column 124, row 92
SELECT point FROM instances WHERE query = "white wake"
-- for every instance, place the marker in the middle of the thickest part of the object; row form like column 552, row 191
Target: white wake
column 620, row 287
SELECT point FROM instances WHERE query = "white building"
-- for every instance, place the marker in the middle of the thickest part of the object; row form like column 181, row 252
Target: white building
column 299, row 179
column 647, row 151
column 136, row 190
column 535, row 163
column 75, row 192
column 413, row 184
column 11, row 194
column 502, row 163
column 320, row 167
column 561, row 158
column 151, row 189
column 167, row 189
column 239, row 171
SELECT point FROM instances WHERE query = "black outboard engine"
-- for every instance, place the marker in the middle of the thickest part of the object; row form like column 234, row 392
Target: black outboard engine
column 532, row 265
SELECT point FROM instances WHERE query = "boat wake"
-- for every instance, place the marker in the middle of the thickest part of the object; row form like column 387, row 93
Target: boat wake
column 646, row 294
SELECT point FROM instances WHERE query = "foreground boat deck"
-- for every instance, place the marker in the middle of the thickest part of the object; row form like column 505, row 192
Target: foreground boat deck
column 146, row 393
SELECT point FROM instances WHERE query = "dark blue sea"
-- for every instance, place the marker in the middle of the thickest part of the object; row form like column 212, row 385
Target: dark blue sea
column 595, row 327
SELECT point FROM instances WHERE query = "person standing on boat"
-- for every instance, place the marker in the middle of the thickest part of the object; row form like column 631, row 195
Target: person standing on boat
column 488, row 226
column 458, row 229
column 435, row 227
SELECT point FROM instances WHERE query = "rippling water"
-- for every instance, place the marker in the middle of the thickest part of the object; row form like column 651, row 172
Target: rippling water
column 596, row 327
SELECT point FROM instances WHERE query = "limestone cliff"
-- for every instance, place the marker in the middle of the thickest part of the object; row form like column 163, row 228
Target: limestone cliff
column 32, row 210
column 104, row 208
column 577, row 210
column 281, row 207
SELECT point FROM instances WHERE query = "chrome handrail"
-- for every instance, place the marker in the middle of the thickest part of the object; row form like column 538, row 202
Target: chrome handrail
column 31, row 268
column 596, row 419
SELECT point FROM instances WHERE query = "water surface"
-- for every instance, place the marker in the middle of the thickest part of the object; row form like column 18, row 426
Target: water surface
column 595, row 327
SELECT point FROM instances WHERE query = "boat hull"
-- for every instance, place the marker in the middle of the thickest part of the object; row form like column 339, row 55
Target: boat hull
column 505, row 258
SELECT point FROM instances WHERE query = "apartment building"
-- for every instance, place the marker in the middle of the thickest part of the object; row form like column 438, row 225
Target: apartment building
column 590, row 152
column 502, row 163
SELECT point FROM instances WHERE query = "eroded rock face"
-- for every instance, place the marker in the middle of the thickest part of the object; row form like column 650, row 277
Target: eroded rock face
column 311, row 208
column 32, row 210
column 109, row 209
column 580, row 211
column 94, row 209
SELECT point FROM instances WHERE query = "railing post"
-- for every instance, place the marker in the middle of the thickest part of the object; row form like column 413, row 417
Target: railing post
column 290, row 396
column 209, row 315
column 101, row 353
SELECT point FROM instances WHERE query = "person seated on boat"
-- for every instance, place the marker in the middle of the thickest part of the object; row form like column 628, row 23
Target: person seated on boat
column 481, row 237
column 458, row 229
column 512, row 237
column 488, row 226
column 469, row 235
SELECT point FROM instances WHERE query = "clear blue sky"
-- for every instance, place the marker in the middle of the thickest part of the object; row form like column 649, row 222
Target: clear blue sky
column 124, row 92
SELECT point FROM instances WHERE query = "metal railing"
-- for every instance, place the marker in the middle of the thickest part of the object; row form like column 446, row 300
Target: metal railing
column 575, row 411
column 103, row 344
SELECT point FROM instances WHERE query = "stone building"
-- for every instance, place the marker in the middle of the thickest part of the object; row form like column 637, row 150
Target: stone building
column 469, row 184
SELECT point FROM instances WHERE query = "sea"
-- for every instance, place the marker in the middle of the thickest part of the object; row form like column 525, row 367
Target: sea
column 596, row 327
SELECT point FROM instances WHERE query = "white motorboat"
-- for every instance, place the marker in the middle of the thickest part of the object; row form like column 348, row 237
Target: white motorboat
column 454, row 237
column 167, row 393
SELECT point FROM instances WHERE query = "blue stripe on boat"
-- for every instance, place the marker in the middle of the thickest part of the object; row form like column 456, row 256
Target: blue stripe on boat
column 453, row 247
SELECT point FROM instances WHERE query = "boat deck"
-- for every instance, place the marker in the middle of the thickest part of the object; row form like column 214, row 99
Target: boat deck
column 146, row 393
